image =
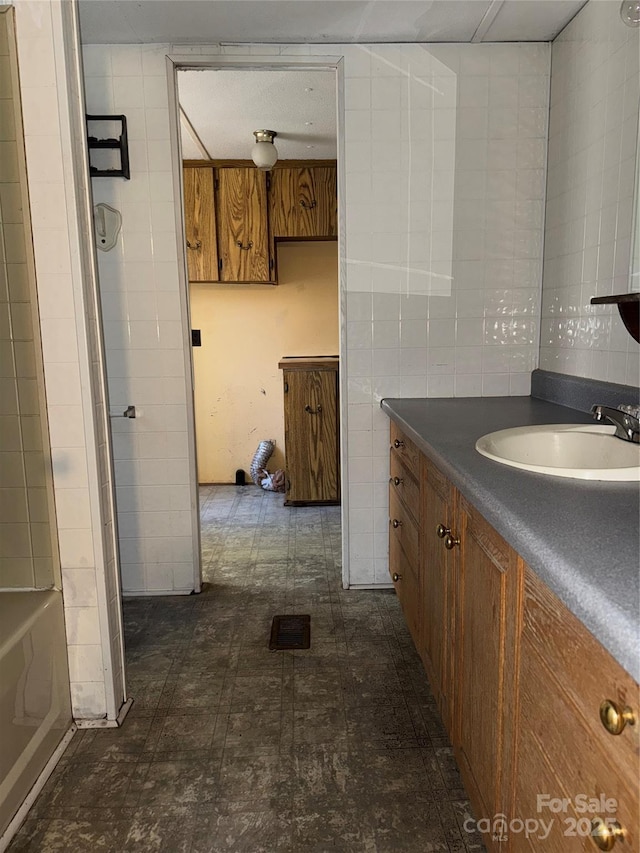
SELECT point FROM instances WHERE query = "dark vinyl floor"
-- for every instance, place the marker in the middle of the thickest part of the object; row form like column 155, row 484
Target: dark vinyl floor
column 231, row 747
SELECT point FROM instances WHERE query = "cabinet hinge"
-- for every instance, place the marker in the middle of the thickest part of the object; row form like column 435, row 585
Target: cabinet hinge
column 268, row 182
column 220, row 264
column 270, row 263
column 286, row 387
column 216, row 184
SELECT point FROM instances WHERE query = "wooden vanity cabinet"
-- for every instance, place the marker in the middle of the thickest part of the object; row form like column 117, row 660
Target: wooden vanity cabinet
column 200, row 224
column 303, row 203
column 563, row 749
column 519, row 681
column 311, row 430
column 243, row 234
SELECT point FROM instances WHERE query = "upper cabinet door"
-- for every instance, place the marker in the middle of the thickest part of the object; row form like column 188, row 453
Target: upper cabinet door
column 242, row 225
column 200, row 224
column 303, row 202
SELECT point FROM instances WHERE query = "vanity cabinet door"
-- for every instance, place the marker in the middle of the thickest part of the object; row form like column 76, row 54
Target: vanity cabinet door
column 303, row 202
column 200, row 224
column 436, row 645
column 570, row 768
column 243, row 236
column 488, row 581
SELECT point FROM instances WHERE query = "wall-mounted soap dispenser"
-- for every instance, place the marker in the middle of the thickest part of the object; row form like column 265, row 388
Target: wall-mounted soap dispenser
column 108, row 222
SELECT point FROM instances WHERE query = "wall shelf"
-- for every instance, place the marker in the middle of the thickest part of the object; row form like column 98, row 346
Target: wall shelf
column 629, row 308
column 119, row 143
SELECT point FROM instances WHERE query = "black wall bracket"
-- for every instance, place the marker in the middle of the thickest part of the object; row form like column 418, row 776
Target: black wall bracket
column 119, row 144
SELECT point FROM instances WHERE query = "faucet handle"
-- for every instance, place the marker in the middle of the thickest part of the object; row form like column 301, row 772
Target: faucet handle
column 630, row 409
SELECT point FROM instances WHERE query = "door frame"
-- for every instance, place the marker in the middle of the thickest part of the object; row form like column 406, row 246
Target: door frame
column 180, row 62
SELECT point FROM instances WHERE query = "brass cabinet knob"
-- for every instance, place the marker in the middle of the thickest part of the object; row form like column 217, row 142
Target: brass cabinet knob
column 398, row 444
column 396, row 480
column 395, row 577
column 442, row 531
column 450, row 541
column 614, row 718
column 605, row 833
column 396, row 523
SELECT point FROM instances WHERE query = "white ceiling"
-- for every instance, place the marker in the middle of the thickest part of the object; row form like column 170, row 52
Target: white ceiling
column 225, row 107
column 322, row 21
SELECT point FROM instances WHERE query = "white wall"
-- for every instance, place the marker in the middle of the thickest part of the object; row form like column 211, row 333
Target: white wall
column 71, row 352
column 595, row 93
column 443, row 178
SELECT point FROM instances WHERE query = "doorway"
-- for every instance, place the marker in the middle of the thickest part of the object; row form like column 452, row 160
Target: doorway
column 241, row 329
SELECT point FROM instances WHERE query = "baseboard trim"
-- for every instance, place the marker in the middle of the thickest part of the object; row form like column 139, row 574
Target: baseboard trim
column 103, row 722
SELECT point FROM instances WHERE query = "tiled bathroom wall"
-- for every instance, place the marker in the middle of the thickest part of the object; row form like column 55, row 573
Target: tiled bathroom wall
column 595, row 96
column 28, row 544
column 442, row 218
column 70, row 347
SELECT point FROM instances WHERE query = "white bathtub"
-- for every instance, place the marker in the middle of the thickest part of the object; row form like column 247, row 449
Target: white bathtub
column 35, row 711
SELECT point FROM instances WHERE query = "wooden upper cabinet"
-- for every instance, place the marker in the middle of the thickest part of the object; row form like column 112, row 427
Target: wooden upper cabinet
column 303, row 202
column 200, row 224
column 243, row 234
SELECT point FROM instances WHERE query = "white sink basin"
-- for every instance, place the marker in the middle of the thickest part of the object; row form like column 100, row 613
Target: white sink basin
column 586, row 452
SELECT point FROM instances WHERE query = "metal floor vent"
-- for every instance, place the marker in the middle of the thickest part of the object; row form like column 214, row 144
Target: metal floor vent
column 290, row 632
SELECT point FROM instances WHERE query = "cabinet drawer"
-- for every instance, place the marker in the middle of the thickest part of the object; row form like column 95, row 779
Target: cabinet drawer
column 587, row 673
column 405, row 449
column 404, row 486
column 404, row 529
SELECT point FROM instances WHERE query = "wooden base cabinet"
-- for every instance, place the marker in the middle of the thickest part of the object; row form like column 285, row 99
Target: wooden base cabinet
column 522, row 686
column 311, row 430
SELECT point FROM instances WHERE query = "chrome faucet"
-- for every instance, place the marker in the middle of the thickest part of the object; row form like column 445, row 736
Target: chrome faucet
column 627, row 424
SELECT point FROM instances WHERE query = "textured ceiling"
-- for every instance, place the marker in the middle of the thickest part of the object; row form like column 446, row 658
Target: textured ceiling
column 322, row 21
column 225, row 107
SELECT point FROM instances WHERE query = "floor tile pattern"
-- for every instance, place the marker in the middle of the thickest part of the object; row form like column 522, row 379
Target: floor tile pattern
column 231, row 747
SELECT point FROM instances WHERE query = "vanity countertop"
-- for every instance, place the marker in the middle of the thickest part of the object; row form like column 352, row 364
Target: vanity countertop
column 580, row 537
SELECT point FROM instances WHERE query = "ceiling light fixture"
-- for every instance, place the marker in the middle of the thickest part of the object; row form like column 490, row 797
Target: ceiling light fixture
column 630, row 12
column 264, row 153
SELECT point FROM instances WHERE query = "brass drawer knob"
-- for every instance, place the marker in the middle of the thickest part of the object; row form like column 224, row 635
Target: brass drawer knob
column 398, row 444
column 396, row 523
column 396, row 480
column 395, row 577
column 605, row 833
column 614, row 718
column 450, row 541
column 442, row 531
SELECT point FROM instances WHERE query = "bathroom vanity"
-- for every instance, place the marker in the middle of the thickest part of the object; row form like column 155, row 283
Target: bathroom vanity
column 521, row 594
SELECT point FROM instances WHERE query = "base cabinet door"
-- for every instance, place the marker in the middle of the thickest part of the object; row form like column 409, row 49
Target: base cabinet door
column 574, row 777
column 436, row 645
column 200, row 224
column 488, row 577
column 311, row 436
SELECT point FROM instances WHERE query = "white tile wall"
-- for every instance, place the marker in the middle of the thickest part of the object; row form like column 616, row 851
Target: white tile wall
column 70, row 333
column 595, row 92
column 444, row 157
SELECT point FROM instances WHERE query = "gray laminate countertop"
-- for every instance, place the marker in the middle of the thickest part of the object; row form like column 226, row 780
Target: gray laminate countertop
column 580, row 537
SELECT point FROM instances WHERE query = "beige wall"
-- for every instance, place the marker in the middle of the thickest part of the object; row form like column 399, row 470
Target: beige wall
column 246, row 330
